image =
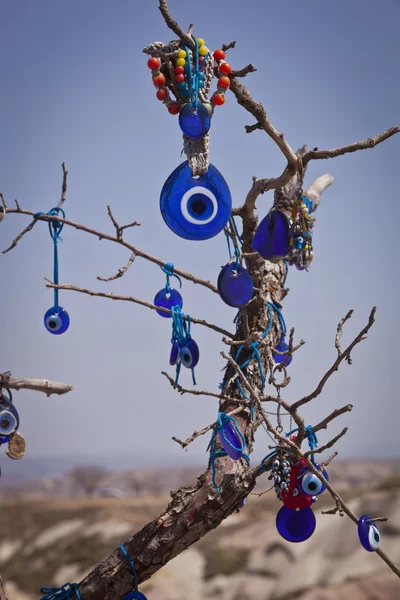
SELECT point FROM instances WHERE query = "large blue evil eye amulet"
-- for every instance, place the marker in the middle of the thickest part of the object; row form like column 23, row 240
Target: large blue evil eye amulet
column 195, row 121
column 295, row 525
column 189, row 353
column 56, row 320
column 309, row 484
column 282, row 347
column 195, row 208
column 235, row 285
column 368, row 533
column 230, row 440
column 272, row 238
column 9, row 419
column 167, row 298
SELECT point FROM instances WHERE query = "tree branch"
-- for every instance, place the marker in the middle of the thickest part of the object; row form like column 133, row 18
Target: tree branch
column 182, row 391
column 37, row 385
column 121, row 272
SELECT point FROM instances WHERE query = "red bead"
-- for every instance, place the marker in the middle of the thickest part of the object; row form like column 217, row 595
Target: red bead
column 162, row 93
column 179, row 69
column 174, row 108
column 225, row 68
column 179, row 78
column 224, row 82
column 219, row 55
column 159, row 80
column 218, row 99
column 154, row 63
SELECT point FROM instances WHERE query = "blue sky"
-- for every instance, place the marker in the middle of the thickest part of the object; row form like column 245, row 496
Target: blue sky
column 76, row 88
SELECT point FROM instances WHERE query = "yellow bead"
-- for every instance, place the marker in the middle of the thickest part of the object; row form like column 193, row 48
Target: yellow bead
column 181, row 62
column 203, row 50
column 200, row 42
column 181, row 53
column 306, row 247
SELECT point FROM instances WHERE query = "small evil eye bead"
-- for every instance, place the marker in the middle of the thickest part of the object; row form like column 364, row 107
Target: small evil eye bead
column 276, row 464
column 8, row 424
column 194, row 121
column 56, row 320
column 189, row 354
column 368, row 534
column 298, row 242
column 309, row 484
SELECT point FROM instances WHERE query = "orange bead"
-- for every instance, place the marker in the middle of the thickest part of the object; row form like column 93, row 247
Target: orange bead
column 218, row 99
column 174, row 108
column 219, row 55
column 159, row 80
column 162, row 93
column 179, row 69
column 154, row 63
column 224, row 82
column 179, row 78
column 225, row 68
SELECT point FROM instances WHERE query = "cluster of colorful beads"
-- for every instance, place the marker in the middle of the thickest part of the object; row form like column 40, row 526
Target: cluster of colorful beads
column 280, row 472
column 224, row 82
column 154, row 63
column 300, row 244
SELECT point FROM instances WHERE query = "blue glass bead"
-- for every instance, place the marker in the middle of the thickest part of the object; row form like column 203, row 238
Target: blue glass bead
column 295, row 525
column 194, row 121
column 174, row 355
column 182, row 85
column 271, row 239
column 135, row 596
column 282, row 347
column 56, row 320
column 309, row 484
column 189, row 353
column 195, row 209
column 235, row 285
column 167, row 299
column 368, row 534
column 9, row 419
column 184, row 92
column 229, row 437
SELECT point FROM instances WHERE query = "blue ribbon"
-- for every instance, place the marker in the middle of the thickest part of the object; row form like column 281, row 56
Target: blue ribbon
column 55, row 228
column 195, row 75
column 168, row 269
column 308, row 203
column 132, row 566
column 223, row 418
column 181, row 333
column 62, row 593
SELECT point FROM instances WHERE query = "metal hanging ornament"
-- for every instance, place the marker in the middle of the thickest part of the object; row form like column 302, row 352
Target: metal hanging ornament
column 300, row 252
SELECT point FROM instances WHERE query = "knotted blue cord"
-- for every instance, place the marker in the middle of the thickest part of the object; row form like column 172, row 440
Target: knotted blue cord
column 195, row 75
column 280, row 319
column 55, row 228
column 132, row 566
column 168, row 269
column 62, row 593
column 181, row 333
column 223, row 418
column 308, row 203
column 311, row 437
column 287, row 271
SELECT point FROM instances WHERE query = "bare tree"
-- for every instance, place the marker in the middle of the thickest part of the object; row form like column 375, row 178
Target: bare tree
column 88, row 477
column 195, row 510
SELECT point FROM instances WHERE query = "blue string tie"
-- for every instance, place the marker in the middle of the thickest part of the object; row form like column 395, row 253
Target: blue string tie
column 55, row 228
column 223, row 418
column 195, row 76
column 181, row 334
column 168, row 269
column 62, row 593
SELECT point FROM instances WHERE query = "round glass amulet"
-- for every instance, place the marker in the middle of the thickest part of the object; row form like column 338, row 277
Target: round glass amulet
column 271, row 239
column 282, row 347
column 235, row 285
column 195, row 121
column 195, row 208
column 230, row 440
column 295, row 525
column 167, row 299
column 56, row 320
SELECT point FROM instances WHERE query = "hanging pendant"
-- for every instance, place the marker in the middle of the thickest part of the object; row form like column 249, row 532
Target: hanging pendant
column 9, row 419
column 195, row 208
column 230, row 440
column 292, row 498
column 271, row 239
column 56, row 320
column 235, row 285
column 309, row 484
column 295, row 525
column 368, row 534
column 167, row 298
column 135, row 596
column 195, row 121
column 174, row 355
column 189, row 353
column 282, row 347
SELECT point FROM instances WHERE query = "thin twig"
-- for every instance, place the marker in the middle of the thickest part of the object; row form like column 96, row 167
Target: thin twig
column 336, row 413
column 183, row 390
column 245, row 71
column 226, row 47
column 121, row 272
column 64, row 185
column 339, row 330
column 37, row 385
column 328, row 445
column 197, row 434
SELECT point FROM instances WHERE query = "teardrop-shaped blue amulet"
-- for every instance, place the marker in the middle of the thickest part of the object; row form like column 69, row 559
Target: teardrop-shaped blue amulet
column 231, row 441
column 195, row 209
column 271, row 239
column 295, row 525
column 195, row 121
column 309, row 484
column 282, row 347
column 189, row 354
column 235, row 285
column 167, row 299
column 9, row 419
column 135, row 596
column 56, row 320
column 368, row 534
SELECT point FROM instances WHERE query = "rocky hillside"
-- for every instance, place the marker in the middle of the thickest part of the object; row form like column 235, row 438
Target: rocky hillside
column 49, row 542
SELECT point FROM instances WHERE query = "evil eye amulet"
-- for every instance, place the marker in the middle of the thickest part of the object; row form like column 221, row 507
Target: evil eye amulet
column 195, row 121
column 309, row 484
column 271, row 239
column 295, row 525
column 189, row 353
column 230, row 440
column 167, row 298
column 235, row 285
column 9, row 419
column 195, row 209
column 368, row 534
column 282, row 347
column 56, row 320
column 174, row 354
column 135, row 596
